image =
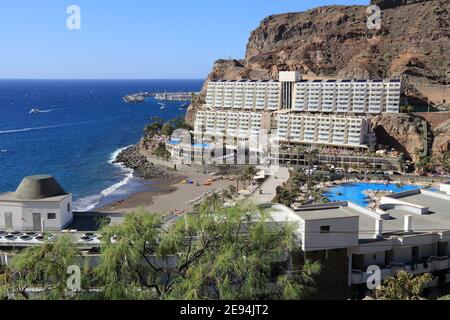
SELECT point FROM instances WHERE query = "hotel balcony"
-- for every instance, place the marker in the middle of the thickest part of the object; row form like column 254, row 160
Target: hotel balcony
column 434, row 264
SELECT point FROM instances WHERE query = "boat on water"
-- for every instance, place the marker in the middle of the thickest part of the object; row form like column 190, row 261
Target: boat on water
column 163, row 106
column 35, row 111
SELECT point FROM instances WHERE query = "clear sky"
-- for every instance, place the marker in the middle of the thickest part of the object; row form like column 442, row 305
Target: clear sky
column 131, row 39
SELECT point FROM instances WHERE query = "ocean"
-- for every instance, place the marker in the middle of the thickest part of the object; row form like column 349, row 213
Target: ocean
column 82, row 126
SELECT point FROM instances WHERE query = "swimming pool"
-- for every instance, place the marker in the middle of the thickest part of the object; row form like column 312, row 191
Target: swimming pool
column 354, row 191
column 197, row 145
column 174, row 142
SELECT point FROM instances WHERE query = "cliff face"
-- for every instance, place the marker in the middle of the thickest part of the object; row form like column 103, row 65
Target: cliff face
column 334, row 42
column 388, row 4
column 403, row 132
column 441, row 138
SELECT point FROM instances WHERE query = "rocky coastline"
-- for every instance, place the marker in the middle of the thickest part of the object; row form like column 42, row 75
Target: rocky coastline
column 132, row 158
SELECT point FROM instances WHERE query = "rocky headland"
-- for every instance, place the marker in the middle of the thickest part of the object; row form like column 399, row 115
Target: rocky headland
column 132, row 158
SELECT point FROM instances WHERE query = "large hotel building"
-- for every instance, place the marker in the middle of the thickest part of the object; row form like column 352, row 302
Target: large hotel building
column 322, row 112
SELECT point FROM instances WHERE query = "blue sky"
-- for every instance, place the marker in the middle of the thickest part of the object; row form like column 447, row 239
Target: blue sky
column 131, row 39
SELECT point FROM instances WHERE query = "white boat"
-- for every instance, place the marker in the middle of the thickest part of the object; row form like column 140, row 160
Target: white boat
column 163, row 106
column 34, row 111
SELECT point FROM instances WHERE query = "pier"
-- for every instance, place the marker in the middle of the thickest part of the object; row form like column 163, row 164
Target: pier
column 161, row 96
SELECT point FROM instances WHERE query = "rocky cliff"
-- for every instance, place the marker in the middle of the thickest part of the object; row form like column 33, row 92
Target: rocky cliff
column 441, row 138
column 405, row 133
column 334, row 42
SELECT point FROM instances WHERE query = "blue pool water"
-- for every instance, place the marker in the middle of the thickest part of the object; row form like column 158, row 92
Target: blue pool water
column 197, row 145
column 82, row 125
column 354, row 191
column 201, row 145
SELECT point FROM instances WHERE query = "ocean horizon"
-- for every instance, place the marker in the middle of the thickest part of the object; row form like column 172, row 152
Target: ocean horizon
column 83, row 125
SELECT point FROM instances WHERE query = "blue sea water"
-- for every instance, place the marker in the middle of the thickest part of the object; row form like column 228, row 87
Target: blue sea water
column 354, row 191
column 82, row 126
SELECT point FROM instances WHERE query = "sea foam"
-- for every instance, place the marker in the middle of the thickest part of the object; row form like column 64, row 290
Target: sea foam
column 91, row 202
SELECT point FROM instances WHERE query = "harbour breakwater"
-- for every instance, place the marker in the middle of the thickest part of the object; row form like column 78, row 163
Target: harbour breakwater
column 162, row 96
column 132, row 158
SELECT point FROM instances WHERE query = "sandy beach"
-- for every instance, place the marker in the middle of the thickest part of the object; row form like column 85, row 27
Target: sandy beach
column 171, row 195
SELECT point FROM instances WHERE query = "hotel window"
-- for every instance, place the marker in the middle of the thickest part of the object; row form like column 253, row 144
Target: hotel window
column 51, row 216
column 325, row 229
column 68, row 207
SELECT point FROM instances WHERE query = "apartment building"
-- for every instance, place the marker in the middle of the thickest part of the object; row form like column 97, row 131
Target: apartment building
column 291, row 128
column 357, row 97
column 230, row 123
column 327, row 112
column 322, row 129
column 410, row 231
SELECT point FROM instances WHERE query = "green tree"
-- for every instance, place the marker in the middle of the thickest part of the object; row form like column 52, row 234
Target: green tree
column 404, row 286
column 43, row 267
column 221, row 253
column 285, row 196
column 167, row 130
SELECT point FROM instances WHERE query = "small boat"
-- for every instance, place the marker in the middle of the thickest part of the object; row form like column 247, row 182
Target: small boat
column 35, row 111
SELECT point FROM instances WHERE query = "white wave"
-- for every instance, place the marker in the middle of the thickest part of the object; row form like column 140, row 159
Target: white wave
column 46, row 127
column 91, row 202
column 86, row 204
column 46, row 111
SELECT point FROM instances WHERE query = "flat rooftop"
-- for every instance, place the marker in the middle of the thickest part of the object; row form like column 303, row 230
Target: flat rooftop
column 434, row 203
column 331, row 211
column 438, row 219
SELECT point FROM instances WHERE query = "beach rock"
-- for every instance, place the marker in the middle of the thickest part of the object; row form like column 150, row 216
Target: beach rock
column 133, row 159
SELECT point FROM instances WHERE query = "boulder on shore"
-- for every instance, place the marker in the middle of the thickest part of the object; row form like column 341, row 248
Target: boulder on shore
column 133, row 159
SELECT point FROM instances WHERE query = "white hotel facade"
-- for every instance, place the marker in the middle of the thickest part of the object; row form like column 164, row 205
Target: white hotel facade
column 326, row 112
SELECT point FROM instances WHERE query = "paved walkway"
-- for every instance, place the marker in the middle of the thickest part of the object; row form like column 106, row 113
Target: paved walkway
column 269, row 187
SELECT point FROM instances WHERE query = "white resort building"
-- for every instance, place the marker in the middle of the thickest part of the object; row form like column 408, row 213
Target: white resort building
column 38, row 204
column 318, row 112
column 410, row 231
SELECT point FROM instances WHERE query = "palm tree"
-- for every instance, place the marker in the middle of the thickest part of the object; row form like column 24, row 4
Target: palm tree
column 311, row 157
column 299, row 150
column 244, row 177
column 251, row 172
column 403, row 287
